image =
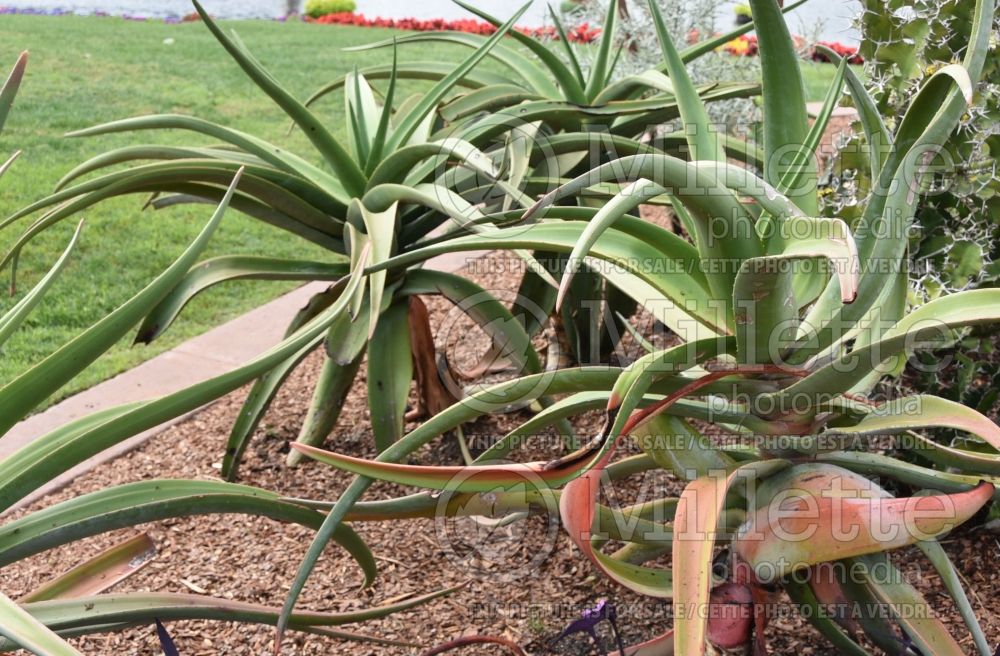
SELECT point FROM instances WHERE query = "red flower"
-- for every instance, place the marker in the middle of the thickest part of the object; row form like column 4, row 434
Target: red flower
column 581, row 33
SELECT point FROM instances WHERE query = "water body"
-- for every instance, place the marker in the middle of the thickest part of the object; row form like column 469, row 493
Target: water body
column 832, row 16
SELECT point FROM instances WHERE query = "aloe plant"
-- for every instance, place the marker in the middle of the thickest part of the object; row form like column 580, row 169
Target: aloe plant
column 574, row 118
column 781, row 355
column 74, row 602
column 548, row 83
column 387, row 189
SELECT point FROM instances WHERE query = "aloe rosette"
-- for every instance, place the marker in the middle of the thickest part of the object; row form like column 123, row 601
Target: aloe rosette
column 390, row 186
column 573, row 117
column 780, row 355
column 73, row 603
column 76, row 602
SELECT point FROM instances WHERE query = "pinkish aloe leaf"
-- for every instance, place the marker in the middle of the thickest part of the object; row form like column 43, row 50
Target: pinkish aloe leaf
column 475, row 478
column 695, row 522
column 99, row 573
column 577, row 505
column 820, row 517
column 730, row 620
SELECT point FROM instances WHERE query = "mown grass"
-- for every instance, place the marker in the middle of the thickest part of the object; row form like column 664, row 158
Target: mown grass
column 84, row 71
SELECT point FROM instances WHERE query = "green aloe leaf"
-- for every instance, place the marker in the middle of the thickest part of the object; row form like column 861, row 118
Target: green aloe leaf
column 628, row 199
column 677, row 446
column 566, row 45
column 9, row 89
column 138, row 608
column 951, row 458
column 507, row 334
column 143, row 152
column 334, row 382
column 408, row 123
column 266, row 387
column 432, row 71
column 390, row 372
column 601, row 66
column 930, row 324
column 147, row 501
column 787, row 125
column 380, row 228
column 766, row 296
column 876, row 464
column 953, row 583
column 25, row 631
column 617, row 247
column 889, row 587
column 572, row 88
column 348, row 336
column 488, row 99
column 298, row 190
column 289, row 212
column 10, row 161
column 13, row 318
column 928, row 122
column 663, row 107
column 627, row 87
column 363, row 115
column 696, row 50
column 923, row 411
column 24, row 393
column 256, row 405
column 764, row 302
column 211, row 272
column 277, row 157
column 58, row 451
column 702, row 194
column 628, row 117
column 333, row 152
column 702, row 141
column 382, row 127
column 526, row 69
column 877, row 136
column 399, row 165
column 797, row 170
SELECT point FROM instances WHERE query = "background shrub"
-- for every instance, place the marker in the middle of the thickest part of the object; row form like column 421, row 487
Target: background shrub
column 317, row 8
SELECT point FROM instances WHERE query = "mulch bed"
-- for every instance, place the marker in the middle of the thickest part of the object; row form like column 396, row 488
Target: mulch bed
column 254, row 559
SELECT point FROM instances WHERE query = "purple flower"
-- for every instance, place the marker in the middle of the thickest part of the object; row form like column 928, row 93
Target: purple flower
column 589, row 619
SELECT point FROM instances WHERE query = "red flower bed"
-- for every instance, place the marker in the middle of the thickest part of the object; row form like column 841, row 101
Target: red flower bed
column 580, row 34
column 745, row 45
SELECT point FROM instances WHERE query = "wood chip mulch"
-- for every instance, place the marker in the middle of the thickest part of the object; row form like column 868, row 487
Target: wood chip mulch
column 528, row 586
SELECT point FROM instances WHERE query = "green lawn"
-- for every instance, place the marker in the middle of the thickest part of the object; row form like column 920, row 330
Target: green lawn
column 84, row 71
